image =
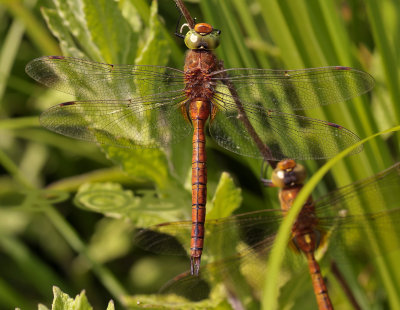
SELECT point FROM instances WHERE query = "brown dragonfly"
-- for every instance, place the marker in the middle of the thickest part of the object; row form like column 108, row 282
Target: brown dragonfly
column 333, row 220
column 137, row 106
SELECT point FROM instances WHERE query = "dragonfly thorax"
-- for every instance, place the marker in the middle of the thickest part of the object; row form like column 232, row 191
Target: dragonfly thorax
column 198, row 68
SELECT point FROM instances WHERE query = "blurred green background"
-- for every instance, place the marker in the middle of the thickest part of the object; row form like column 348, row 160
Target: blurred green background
column 46, row 240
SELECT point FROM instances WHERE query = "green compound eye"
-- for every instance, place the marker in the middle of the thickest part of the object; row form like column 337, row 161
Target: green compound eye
column 288, row 173
column 203, row 36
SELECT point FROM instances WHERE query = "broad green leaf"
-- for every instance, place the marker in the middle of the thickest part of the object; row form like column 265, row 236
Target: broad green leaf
column 149, row 164
column 131, row 14
column 155, row 50
column 61, row 32
column 110, row 31
column 227, row 198
column 72, row 15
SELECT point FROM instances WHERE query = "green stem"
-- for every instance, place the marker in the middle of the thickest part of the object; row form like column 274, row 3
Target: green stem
column 70, row 235
column 19, row 123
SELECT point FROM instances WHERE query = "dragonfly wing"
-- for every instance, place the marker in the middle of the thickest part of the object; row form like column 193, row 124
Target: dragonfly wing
column 345, row 211
column 379, row 190
column 92, row 80
column 222, row 235
column 153, row 122
column 238, row 273
column 297, row 89
column 286, row 135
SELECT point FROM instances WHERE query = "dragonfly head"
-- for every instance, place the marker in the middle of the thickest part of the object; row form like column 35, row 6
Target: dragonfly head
column 288, row 173
column 202, row 36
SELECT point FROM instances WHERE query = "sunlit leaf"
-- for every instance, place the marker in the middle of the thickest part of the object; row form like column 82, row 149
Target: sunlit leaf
column 62, row 301
column 156, row 50
column 227, row 198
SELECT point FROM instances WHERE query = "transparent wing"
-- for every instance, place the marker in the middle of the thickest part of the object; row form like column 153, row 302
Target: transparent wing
column 345, row 210
column 295, row 89
column 92, row 80
column 222, row 236
column 286, row 135
column 238, row 273
column 380, row 189
column 124, row 123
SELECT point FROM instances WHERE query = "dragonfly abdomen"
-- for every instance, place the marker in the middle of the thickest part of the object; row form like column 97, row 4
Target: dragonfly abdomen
column 320, row 289
column 199, row 113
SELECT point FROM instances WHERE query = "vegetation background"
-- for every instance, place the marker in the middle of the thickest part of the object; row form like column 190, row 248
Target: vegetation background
column 48, row 183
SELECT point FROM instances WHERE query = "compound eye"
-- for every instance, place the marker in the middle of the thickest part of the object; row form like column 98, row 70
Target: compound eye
column 288, row 173
column 203, row 28
column 206, row 41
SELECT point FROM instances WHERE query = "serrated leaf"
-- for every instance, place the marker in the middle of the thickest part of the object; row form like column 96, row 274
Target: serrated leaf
column 62, row 301
column 156, row 49
column 227, row 198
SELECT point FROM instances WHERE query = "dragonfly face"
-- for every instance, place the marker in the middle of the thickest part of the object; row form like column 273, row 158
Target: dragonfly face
column 202, row 36
column 288, row 173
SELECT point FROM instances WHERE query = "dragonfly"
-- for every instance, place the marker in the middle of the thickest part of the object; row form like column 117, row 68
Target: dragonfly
column 335, row 219
column 139, row 106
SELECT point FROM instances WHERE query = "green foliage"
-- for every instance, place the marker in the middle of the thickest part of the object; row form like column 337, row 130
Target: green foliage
column 46, row 241
column 226, row 200
column 173, row 302
column 62, row 301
